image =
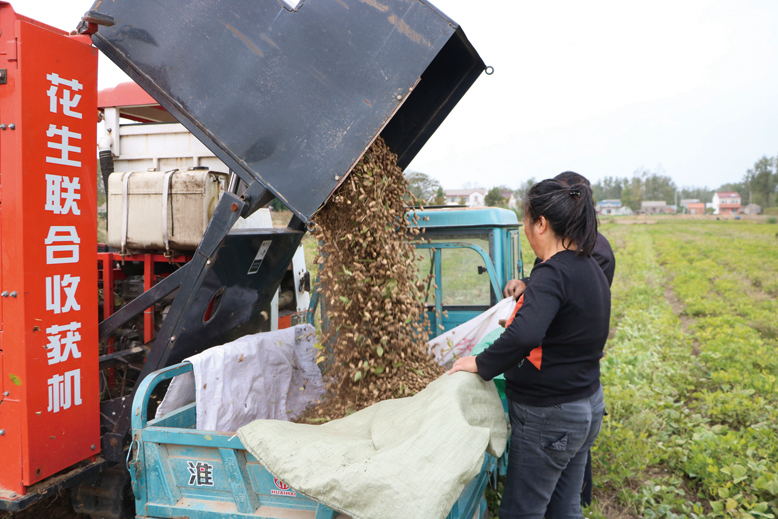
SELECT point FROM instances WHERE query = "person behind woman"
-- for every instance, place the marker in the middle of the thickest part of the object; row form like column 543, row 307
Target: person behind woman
column 550, row 355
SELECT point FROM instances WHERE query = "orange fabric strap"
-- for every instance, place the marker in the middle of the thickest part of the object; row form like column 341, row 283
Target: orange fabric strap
column 536, row 355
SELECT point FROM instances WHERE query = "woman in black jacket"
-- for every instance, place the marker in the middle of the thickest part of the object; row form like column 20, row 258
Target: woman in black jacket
column 550, row 355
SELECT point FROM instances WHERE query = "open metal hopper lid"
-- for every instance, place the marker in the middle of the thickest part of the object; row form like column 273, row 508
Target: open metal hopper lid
column 292, row 98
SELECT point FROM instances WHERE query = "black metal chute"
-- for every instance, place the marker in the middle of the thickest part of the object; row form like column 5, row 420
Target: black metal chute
column 292, row 99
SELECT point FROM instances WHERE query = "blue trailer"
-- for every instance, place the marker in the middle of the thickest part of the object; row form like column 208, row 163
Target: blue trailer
column 178, row 471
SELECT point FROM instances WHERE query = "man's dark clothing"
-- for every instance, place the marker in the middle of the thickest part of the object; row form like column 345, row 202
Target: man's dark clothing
column 603, row 254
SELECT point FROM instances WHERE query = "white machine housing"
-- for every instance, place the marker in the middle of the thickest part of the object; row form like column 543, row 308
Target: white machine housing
column 162, row 173
column 154, row 210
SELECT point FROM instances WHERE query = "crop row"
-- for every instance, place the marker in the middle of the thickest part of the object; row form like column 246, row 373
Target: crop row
column 731, row 323
column 690, row 374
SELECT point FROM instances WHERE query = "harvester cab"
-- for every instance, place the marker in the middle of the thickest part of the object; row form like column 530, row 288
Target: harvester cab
column 287, row 98
column 468, row 255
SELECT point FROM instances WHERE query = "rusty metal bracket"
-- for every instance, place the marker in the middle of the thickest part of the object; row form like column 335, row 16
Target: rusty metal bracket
column 91, row 21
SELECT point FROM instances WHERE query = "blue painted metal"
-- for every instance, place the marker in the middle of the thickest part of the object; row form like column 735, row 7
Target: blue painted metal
column 494, row 278
column 438, row 321
column 513, row 237
column 461, row 227
column 179, row 471
column 461, row 217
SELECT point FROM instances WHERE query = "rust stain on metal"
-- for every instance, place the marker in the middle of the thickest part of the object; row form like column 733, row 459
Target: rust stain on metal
column 376, row 5
column 264, row 37
column 406, row 30
column 245, row 40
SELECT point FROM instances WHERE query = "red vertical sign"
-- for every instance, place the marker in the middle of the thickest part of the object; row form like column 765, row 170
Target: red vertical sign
column 50, row 342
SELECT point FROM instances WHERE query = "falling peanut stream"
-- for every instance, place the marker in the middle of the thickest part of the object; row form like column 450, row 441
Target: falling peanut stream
column 371, row 288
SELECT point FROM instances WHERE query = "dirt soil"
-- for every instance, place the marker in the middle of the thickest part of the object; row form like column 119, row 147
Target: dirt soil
column 54, row 507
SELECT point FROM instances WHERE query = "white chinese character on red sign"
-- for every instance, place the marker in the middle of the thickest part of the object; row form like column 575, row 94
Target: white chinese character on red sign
column 63, row 145
column 62, row 347
column 65, row 97
column 62, row 194
column 64, row 391
column 55, row 286
column 68, row 253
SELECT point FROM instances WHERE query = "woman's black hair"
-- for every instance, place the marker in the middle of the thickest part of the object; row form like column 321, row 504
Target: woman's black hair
column 569, row 178
column 568, row 209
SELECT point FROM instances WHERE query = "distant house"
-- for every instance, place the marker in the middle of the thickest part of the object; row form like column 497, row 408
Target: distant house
column 612, row 207
column 726, row 202
column 752, row 209
column 468, row 197
column 685, row 202
column 656, row 207
column 510, row 198
column 695, row 208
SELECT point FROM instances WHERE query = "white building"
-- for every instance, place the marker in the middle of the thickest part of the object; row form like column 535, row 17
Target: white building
column 726, row 202
column 510, row 198
column 468, row 197
column 656, row 207
column 612, row 207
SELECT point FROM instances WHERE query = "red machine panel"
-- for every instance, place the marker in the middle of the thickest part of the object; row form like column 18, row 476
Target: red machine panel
column 49, row 408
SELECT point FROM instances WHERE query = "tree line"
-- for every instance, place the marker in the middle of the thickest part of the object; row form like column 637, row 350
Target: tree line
column 760, row 183
column 759, row 186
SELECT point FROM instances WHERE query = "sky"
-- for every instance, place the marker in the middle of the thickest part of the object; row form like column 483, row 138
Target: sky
column 605, row 87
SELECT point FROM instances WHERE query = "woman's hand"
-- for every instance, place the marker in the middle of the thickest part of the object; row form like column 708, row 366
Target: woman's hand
column 464, row 364
column 514, row 288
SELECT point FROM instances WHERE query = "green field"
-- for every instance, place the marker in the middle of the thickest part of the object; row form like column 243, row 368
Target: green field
column 691, row 373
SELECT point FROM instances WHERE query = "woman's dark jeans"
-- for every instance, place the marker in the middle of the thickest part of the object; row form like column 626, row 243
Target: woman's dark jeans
column 549, row 446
